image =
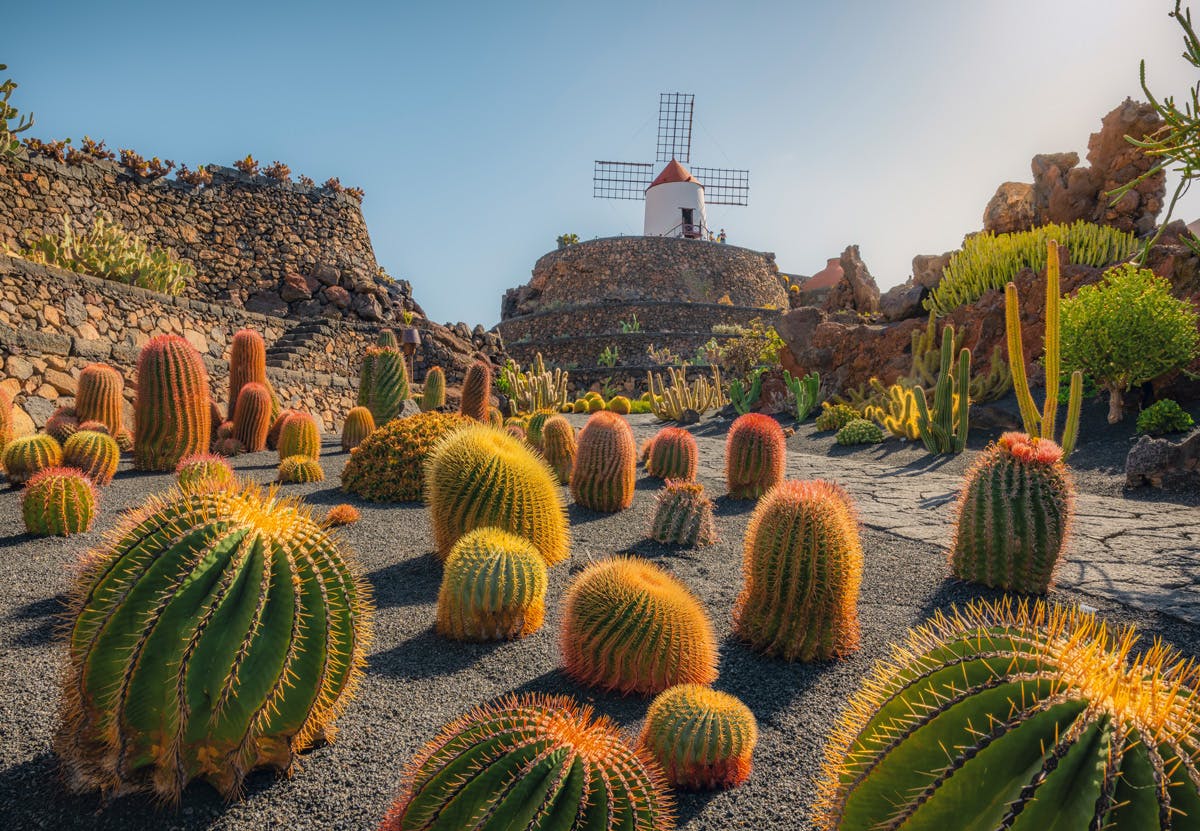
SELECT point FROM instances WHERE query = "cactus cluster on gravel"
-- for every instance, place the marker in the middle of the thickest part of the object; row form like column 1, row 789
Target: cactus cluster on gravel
column 389, row 464
column 605, row 469
column 859, row 431
column 493, row 588
column 58, row 501
column 755, row 454
column 704, row 739
column 172, row 414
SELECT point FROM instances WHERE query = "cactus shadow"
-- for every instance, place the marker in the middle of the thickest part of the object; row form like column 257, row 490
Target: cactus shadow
column 689, row 804
column 332, row 495
column 767, row 685
column 16, row 540
column 428, row 655
column 46, row 614
column 726, row 505
column 954, row 592
column 579, row 515
column 410, row 582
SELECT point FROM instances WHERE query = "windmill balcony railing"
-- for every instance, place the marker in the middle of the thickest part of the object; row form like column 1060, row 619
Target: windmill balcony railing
column 686, row 229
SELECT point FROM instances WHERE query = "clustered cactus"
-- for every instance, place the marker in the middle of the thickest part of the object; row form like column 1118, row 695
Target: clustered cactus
column 94, row 453
column 835, row 416
column 859, row 431
column 755, row 454
column 493, row 588
column 703, row 739
column 683, row 515
column 26, row 455
column 673, row 454
column 605, row 468
column 172, row 414
column 388, row 466
column 58, row 501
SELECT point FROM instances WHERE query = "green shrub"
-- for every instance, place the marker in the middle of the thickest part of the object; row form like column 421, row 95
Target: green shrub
column 859, row 431
column 836, row 416
column 1127, row 330
column 1164, row 417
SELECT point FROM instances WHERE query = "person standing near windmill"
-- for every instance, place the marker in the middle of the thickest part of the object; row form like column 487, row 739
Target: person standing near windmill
column 721, row 237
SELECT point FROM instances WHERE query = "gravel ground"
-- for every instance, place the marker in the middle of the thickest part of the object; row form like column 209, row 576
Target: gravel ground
column 417, row 681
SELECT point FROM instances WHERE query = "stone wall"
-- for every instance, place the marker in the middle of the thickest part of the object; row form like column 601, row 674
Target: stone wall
column 602, row 318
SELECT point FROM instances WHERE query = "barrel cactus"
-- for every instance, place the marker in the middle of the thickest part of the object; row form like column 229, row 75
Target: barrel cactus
column 58, row 501
column 433, row 395
column 214, row 633
column 802, row 568
column 1028, row 716
column 534, row 762
column 298, row 470
column 480, row 476
column 859, row 431
column 171, row 415
column 7, row 431
column 299, row 437
column 62, row 424
column 94, row 453
column 755, row 455
column 359, row 424
column 493, row 588
column 558, row 446
column 99, row 396
column 342, row 514
column 619, row 405
column 533, row 428
column 1014, row 512
column 605, row 464
column 703, row 739
column 389, row 465
column 672, row 454
column 252, row 416
column 26, row 455
column 516, row 431
column 579, row 405
column 476, row 391
column 247, row 364
column 630, row 627
column 683, row 516
column 203, row 470
column 387, row 384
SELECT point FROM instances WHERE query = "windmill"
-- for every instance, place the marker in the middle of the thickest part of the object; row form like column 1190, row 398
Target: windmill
column 676, row 197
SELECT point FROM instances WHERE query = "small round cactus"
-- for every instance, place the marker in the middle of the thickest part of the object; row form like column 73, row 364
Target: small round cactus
column 516, row 431
column 619, row 405
column 476, row 391
column 299, row 470
column 595, row 405
column 836, row 416
column 433, row 394
column 703, row 739
column 26, row 455
column 755, row 454
column 631, row 627
column 62, row 424
column 605, row 470
column 359, row 424
column 672, row 454
column 299, row 437
column 493, row 588
column 559, row 447
column 339, row 515
column 684, row 515
column 203, row 470
column 580, row 405
column 859, row 431
column 94, row 453
column 389, row 466
column 57, row 502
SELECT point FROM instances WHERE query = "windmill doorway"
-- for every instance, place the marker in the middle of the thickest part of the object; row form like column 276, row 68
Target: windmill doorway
column 688, row 226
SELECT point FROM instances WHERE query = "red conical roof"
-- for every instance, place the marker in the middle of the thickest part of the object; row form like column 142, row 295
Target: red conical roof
column 673, row 172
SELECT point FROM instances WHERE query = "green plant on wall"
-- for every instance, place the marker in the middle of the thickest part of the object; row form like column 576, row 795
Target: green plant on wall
column 630, row 326
column 8, row 114
column 608, row 357
column 564, row 240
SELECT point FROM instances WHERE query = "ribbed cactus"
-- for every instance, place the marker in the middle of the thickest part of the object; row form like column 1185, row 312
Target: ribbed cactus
column 1027, row 716
column 386, row 339
column 300, row 469
column 559, row 447
column 802, row 568
column 619, row 405
column 95, row 454
column 683, row 516
column 859, row 431
column 493, row 588
column 214, row 633
column 7, row 431
column 943, row 425
column 359, row 424
column 495, row 417
column 252, row 416
column 533, row 428
column 247, row 365
column 299, row 437
column 26, row 455
column 433, row 395
column 673, row 454
column 62, row 424
column 605, row 464
column 534, row 762
column 203, row 470
column 630, row 627
column 476, row 391
column 703, row 739
column 58, row 501
column 755, row 454
column 1013, row 515
column 277, row 428
column 389, row 466
column 387, row 384
column 99, row 397
column 480, row 476
column 516, row 431
column 172, row 415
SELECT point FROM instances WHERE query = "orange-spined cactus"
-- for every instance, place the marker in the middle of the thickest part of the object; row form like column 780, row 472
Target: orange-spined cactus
column 98, row 397
column 247, row 364
column 299, row 437
column 359, row 424
column 534, row 762
column 203, row 470
column 673, row 454
column 631, row 627
column 342, row 514
column 62, row 424
column 493, row 588
column 605, row 464
column 298, row 470
column 755, row 454
column 26, row 455
column 683, row 516
column 94, row 453
column 476, row 391
column 58, row 501
column 703, row 739
column 558, row 446
column 172, row 415
column 802, row 568
column 252, row 416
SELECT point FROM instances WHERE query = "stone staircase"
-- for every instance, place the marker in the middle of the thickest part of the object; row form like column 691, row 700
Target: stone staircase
column 288, row 352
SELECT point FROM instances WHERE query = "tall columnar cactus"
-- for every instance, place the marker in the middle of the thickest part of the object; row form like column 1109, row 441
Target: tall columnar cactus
column 300, row 437
column 755, row 454
column 386, row 339
column 252, row 416
column 387, row 386
column 605, row 464
column 534, row 762
column 99, row 397
column 62, row 424
column 214, row 633
column 943, row 426
column 683, row 516
column 172, row 415
column 493, row 588
column 1042, row 424
column 433, row 395
column 57, row 502
column 476, row 391
column 480, row 476
column 802, row 568
column 7, row 431
column 703, row 739
column 359, row 424
column 559, row 447
column 629, row 626
column 673, row 455
column 806, row 391
column 203, row 470
column 247, row 365
column 1013, row 515
column 1020, row 717
column 299, row 469
column 94, row 453
column 26, row 455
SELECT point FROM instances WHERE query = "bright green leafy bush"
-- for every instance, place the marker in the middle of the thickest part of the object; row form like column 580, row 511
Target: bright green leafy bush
column 1164, row 416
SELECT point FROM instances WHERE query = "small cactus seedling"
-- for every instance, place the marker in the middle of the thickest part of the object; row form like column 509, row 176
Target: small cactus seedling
column 493, row 588
column 26, row 455
column 559, row 447
column 605, row 469
column 299, row 437
column 172, row 413
column 755, row 454
column 298, row 470
column 99, row 397
column 95, row 454
column 476, row 391
column 252, row 416
column 339, row 515
column 359, row 424
column 57, row 502
column 672, row 454
column 433, row 395
column 203, row 470
column 684, row 515
column 703, row 739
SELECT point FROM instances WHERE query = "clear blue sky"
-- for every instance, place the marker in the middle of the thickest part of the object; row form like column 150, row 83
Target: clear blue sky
column 473, row 126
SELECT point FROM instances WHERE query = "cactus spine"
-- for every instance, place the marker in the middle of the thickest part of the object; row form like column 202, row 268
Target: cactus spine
column 299, row 437
column 476, row 391
column 99, row 396
column 559, row 447
column 57, row 502
column 802, row 567
column 26, row 455
column 533, row 428
column 493, row 588
column 252, row 416
column 359, row 424
column 247, row 364
column 214, row 633
column 1013, row 515
column 630, row 627
column 673, row 454
column 300, row 469
column 203, row 470
column 172, row 414
column 95, row 454
column 605, row 464
column 944, row 427
column 389, row 466
column 387, row 385
column 755, row 454
column 433, row 395
column 683, row 516
column 703, row 739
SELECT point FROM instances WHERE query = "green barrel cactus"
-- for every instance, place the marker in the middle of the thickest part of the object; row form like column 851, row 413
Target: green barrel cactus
column 859, row 431
column 171, row 414
column 94, row 453
column 559, row 447
column 672, row 454
column 534, row 762
column 533, row 428
column 493, row 588
column 476, row 391
column 26, row 455
column 247, row 365
column 1014, row 513
column 359, row 424
column 703, row 739
column 252, row 416
column 1024, row 717
column 387, row 384
column 755, row 455
column 58, row 501
column 386, row 339
column 203, row 470
column 213, row 634
column 802, row 569
column 298, row 470
column 99, row 396
column 433, row 394
column 683, row 515
column 605, row 470
column 299, row 437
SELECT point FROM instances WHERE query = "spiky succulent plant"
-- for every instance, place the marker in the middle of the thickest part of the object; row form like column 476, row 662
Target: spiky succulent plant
column 433, row 394
column 672, row 454
column 342, row 514
column 359, row 424
column 836, row 416
column 389, row 465
column 559, row 447
column 493, row 588
column 859, row 431
column 26, row 455
column 476, row 391
column 58, row 501
column 252, row 416
column 605, row 470
column 755, row 454
column 247, row 364
column 386, row 382
column 172, row 414
column 533, row 427
column 703, row 739
column 203, row 470
column 683, row 516
column 299, row 437
column 62, row 424
column 299, row 470
column 619, row 405
column 99, row 397
column 94, row 453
